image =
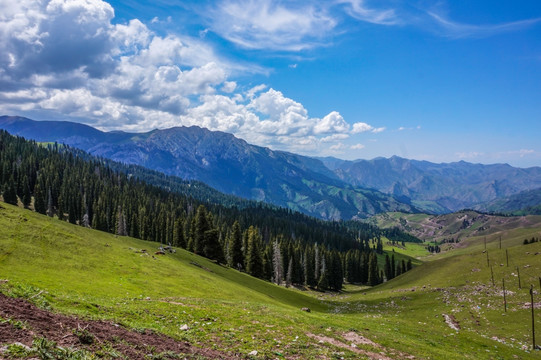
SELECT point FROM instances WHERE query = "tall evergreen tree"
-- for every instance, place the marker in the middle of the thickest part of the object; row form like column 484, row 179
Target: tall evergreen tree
column 212, row 248
column 388, row 268
column 323, row 282
column 236, row 257
column 373, row 272
column 10, row 192
column 277, row 263
column 201, row 226
column 254, row 260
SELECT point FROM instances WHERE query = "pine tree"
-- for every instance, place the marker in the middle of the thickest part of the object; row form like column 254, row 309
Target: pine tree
column 178, row 233
column 236, row 257
column 373, row 272
column 212, row 248
column 317, row 265
column 277, row 263
column 121, row 223
column 26, row 197
column 289, row 275
column 323, row 282
column 254, row 261
column 409, row 265
column 309, row 275
column 201, row 226
column 39, row 199
column 393, row 267
column 387, row 268
column 336, row 277
column 364, row 268
column 10, row 194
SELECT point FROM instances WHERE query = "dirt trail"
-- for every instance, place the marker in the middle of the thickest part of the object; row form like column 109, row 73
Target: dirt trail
column 60, row 328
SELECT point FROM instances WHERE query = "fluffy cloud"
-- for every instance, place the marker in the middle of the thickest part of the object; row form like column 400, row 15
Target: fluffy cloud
column 66, row 59
column 267, row 24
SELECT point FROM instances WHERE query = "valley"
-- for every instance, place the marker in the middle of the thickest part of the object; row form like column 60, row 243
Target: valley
column 93, row 275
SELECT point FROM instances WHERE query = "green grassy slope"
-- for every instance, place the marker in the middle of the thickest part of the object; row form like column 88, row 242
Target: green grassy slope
column 97, row 275
column 460, row 226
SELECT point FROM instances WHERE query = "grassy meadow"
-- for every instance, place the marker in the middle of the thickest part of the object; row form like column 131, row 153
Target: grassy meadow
column 95, row 275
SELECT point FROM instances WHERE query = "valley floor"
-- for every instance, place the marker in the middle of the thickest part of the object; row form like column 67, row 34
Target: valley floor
column 65, row 283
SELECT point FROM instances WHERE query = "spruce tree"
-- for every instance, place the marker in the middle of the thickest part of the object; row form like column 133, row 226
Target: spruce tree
column 178, row 233
column 373, row 272
column 10, row 194
column 309, row 275
column 236, row 257
column 387, row 268
column 323, row 282
column 201, row 226
column 289, row 275
column 254, row 261
column 277, row 263
column 212, row 248
column 393, row 267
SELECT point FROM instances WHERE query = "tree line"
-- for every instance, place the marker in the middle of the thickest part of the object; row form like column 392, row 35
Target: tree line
column 271, row 243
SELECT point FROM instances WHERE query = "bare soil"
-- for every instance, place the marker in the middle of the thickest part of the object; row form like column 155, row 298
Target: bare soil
column 60, row 328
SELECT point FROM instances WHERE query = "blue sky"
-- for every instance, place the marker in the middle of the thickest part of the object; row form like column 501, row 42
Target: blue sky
column 440, row 81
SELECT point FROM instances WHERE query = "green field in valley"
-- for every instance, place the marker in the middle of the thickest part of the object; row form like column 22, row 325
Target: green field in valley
column 446, row 308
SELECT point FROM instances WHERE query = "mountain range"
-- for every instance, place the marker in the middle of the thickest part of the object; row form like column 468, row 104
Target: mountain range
column 327, row 188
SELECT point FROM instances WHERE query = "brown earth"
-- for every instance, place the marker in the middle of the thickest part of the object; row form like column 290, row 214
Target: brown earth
column 60, row 328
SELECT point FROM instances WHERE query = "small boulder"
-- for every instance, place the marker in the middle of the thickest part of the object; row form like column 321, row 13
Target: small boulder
column 185, row 327
column 253, row 353
column 305, row 309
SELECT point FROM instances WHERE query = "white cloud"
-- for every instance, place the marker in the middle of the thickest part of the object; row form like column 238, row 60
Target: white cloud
column 357, row 147
column 268, row 24
column 360, row 127
column 338, row 147
column 229, row 86
column 332, row 123
column 126, row 77
column 358, row 10
column 522, row 152
column 334, row 137
column 453, row 29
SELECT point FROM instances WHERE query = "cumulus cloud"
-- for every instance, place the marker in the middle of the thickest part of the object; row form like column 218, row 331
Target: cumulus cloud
column 357, row 147
column 67, row 59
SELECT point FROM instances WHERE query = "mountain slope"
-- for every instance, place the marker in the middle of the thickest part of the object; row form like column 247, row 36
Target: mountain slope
column 523, row 203
column 455, row 228
column 438, row 187
column 91, row 274
column 224, row 162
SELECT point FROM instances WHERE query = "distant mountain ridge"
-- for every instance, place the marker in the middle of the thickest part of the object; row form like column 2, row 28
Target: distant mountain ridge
column 327, row 188
column 224, row 162
column 441, row 188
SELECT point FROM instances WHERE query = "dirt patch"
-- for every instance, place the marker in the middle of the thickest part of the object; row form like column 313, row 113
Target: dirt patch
column 357, row 339
column 528, row 305
column 60, row 328
column 352, row 347
column 451, row 322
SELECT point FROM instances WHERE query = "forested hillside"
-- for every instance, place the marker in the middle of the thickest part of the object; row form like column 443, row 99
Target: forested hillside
column 224, row 162
column 266, row 242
